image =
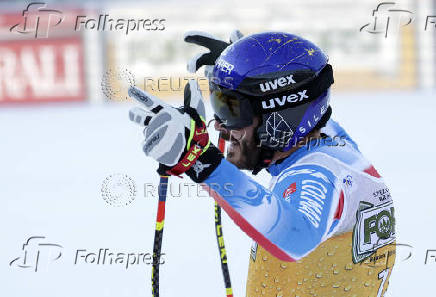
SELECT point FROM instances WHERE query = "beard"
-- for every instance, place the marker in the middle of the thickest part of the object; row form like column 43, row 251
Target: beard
column 243, row 153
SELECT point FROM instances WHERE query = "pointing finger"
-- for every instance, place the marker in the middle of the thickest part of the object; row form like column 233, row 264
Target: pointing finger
column 152, row 103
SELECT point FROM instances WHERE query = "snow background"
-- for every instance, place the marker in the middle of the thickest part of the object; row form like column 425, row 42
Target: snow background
column 53, row 161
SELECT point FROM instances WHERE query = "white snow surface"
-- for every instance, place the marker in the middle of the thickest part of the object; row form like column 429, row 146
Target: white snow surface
column 53, row 161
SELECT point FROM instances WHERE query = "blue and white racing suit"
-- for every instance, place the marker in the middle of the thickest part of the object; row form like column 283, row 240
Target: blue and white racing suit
column 325, row 227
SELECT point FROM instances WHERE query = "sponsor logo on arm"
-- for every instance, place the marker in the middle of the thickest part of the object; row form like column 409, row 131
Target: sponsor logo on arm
column 314, row 189
column 289, row 191
column 375, row 228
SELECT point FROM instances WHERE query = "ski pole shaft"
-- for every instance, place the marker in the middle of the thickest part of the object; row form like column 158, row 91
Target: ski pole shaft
column 158, row 234
column 220, row 237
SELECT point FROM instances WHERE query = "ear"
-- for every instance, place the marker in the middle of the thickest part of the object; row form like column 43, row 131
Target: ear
column 193, row 97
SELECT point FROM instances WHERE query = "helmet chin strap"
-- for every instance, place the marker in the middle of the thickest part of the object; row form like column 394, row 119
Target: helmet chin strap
column 265, row 155
column 264, row 160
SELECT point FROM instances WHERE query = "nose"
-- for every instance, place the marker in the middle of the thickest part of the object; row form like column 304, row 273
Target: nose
column 221, row 128
column 229, row 134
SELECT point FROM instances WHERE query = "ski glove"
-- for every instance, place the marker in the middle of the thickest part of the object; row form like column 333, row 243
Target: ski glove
column 215, row 45
column 176, row 137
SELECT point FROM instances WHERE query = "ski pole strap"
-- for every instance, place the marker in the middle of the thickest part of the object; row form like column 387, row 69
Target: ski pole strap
column 198, row 142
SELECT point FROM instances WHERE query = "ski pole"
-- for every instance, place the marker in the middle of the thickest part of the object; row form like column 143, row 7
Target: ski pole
column 220, row 237
column 158, row 234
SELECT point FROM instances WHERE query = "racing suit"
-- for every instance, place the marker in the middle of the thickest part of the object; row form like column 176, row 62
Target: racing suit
column 325, row 227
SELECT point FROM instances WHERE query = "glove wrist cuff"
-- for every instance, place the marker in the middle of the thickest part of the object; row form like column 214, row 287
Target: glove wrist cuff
column 205, row 164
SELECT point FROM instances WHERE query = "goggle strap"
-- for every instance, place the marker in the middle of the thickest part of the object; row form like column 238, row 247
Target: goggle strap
column 301, row 95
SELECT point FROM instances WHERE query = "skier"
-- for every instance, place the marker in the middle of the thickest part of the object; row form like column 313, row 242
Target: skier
column 326, row 224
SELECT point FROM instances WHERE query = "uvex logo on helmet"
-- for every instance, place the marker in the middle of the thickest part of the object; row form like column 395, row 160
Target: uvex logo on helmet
column 276, row 83
column 285, row 98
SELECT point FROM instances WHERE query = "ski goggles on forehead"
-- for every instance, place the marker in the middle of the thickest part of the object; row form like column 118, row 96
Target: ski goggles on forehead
column 232, row 109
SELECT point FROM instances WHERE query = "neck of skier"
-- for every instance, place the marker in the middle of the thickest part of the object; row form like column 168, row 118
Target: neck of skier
column 282, row 155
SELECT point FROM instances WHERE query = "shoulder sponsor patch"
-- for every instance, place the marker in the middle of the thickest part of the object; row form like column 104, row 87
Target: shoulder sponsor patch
column 374, row 228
